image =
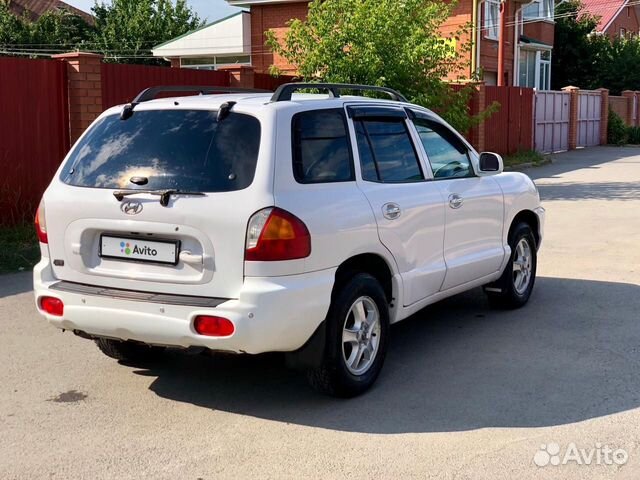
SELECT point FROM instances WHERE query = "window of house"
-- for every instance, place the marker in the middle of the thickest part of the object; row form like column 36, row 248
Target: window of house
column 623, row 32
column 321, row 149
column 491, row 24
column 544, row 75
column 539, row 9
column 212, row 63
column 386, row 151
column 535, row 69
column 448, row 156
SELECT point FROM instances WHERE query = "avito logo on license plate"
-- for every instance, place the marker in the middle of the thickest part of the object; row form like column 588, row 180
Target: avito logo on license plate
column 134, row 249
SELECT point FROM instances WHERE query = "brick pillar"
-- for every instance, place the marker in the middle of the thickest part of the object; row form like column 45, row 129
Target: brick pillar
column 85, row 90
column 241, row 76
column 604, row 115
column 478, row 105
column 573, row 116
column 630, row 95
column 175, row 63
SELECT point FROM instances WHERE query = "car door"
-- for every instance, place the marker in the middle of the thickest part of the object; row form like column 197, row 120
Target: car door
column 474, row 205
column 408, row 207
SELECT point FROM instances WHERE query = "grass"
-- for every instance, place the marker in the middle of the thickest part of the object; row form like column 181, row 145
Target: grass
column 524, row 157
column 19, row 249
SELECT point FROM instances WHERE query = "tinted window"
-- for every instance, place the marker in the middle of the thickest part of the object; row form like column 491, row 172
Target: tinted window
column 321, row 151
column 448, row 156
column 386, row 152
column 181, row 149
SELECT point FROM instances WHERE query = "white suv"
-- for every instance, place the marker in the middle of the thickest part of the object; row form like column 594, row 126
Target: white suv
column 300, row 223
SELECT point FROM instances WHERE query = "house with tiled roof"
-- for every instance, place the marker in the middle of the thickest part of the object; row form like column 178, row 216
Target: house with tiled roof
column 34, row 9
column 618, row 18
column 528, row 37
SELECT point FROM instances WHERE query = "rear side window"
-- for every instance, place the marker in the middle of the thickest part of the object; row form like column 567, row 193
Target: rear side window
column 181, row 149
column 386, row 152
column 321, row 149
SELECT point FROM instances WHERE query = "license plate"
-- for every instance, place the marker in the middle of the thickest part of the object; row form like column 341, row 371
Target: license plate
column 138, row 250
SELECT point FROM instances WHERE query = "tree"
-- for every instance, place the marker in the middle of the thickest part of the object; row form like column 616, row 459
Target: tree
column 128, row 29
column 574, row 59
column 53, row 31
column 390, row 43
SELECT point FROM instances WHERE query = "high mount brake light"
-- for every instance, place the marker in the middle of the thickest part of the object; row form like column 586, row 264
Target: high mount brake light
column 276, row 235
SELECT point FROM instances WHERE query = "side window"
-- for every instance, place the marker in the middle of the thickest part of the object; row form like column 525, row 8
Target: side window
column 321, row 149
column 386, row 152
column 448, row 156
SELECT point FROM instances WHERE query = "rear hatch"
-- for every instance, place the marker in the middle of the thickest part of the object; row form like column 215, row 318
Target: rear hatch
column 158, row 202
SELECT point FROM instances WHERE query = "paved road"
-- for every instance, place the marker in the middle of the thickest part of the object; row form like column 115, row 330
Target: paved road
column 466, row 392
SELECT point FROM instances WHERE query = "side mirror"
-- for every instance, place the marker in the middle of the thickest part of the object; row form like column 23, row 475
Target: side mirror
column 491, row 163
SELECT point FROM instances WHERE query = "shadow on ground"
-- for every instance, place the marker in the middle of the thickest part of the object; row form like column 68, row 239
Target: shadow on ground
column 590, row 158
column 590, row 191
column 572, row 354
column 15, row 283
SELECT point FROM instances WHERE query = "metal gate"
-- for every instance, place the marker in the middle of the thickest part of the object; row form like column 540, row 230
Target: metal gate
column 589, row 115
column 552, row 121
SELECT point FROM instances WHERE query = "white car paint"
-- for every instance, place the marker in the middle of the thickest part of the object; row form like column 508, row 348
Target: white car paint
column 432, row 250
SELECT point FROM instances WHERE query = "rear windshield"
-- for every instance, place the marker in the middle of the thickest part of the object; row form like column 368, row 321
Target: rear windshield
column 183, row 149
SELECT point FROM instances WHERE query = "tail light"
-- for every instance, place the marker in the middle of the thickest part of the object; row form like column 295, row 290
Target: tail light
column 274, row 235
column 41, row 224
column 52, row 306
column 211, row 326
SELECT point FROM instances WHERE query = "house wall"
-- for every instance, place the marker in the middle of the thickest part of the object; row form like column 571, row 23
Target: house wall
column 489, row 48
column 543, row 31
column 272, row 17
column 627, row 19
column 276, row 16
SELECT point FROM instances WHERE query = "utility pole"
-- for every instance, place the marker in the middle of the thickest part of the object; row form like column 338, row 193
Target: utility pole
column 501, row 41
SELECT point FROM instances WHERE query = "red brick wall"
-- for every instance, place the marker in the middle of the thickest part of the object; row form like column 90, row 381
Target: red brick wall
column 627, row 20
column 462, row 14
column 541, row 31
column 272, row 17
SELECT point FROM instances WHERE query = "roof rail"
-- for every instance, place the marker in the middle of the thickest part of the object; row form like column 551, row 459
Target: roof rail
column 285, row 91
column 153, row 92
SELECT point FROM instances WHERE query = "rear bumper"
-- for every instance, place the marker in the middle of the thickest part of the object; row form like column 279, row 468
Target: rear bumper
column 271, row 314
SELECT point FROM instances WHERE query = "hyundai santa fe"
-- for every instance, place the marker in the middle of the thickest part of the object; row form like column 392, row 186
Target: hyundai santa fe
column 292, row 222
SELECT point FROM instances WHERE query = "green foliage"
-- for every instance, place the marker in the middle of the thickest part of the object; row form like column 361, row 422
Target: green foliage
column 573, row 55
column 617, row 130
column 592, row 61
column 633, row 135
column 19, row 249
column 126, row 30
column 524, row 157
column 384, row 43
column 54, row 29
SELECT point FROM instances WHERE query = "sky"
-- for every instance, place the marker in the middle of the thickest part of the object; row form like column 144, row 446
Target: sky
column 207, row 9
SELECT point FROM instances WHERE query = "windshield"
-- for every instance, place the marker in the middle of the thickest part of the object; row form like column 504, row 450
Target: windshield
column 180, row 149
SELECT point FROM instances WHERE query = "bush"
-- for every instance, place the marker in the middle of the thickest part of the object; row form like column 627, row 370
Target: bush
column 617, row 131
column 633, row 135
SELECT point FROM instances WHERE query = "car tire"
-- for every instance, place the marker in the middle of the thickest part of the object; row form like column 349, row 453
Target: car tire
column 356, row 338
column 514, row 287
column 129, row 352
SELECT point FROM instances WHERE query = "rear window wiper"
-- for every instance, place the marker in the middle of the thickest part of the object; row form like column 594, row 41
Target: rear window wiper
column 165, row 195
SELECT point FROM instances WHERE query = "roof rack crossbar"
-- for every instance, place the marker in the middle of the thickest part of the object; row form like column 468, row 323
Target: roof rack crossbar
column 153, row 92
column 285, row 91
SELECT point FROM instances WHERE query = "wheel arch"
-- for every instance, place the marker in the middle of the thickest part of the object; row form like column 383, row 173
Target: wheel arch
column 372, row 263
column 530, row 218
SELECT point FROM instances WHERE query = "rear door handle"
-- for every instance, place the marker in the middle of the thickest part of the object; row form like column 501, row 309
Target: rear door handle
column 391, row 211
column 455, row 200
